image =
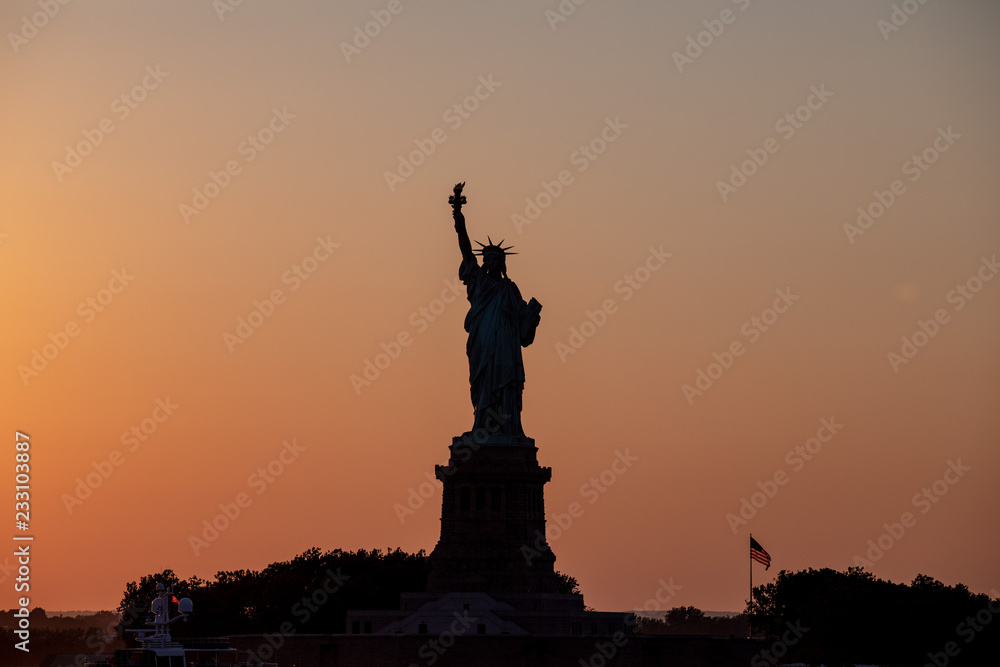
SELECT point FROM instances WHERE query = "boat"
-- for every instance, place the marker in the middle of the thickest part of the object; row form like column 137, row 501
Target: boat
column 158, row 649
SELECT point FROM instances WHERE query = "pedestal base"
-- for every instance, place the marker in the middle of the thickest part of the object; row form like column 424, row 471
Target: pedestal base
column 493, row 521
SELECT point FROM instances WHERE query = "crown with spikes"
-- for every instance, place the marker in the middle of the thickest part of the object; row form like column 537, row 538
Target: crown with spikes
column 498, row 247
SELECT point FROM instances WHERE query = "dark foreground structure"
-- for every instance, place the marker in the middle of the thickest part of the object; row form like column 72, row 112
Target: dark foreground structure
column 478, row 651
column 493, row 596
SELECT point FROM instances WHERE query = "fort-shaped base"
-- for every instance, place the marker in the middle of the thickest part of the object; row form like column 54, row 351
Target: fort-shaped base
column 493, row 521
column 492, row 571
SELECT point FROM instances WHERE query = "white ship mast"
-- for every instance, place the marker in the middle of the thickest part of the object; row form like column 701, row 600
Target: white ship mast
column 160, row 640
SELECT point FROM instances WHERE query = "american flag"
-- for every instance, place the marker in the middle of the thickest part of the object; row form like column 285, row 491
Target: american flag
column 758, row 554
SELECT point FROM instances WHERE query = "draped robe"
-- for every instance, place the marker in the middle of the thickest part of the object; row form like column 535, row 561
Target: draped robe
column 496, row 369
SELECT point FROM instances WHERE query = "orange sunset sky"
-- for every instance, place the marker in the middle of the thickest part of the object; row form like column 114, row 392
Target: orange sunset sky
column 170, row 166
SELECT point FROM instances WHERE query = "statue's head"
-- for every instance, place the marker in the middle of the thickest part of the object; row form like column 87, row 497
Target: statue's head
column 494, row 257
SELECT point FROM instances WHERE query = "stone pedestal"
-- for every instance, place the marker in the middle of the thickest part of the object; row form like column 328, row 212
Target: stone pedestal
column 493, row 521
column 492, row 571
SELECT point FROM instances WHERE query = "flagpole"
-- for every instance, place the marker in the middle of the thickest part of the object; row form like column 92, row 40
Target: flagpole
column 751, row 593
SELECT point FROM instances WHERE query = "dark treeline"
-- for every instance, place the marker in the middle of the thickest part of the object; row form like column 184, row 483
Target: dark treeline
column 692, row 621
column 312, row 592
column 852, row 617
column 812, row 616
column 85, row 633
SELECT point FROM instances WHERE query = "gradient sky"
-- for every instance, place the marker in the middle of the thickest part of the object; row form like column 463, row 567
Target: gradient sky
column 888, row 96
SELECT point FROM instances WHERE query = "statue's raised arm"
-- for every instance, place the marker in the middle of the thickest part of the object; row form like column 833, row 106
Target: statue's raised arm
column 464, row 244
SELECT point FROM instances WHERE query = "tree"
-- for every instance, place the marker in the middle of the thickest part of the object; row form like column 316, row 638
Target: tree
column 313, row 592
column 567, row 584
column 853, row 617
